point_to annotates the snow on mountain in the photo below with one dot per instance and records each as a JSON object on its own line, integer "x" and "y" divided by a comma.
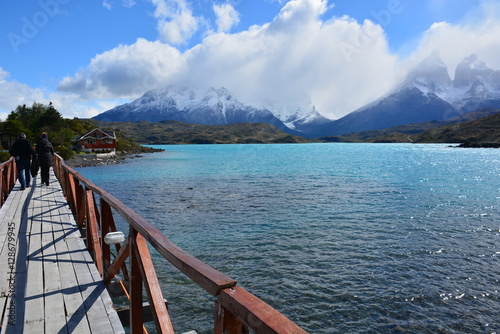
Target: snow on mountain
{"x": 299, "y": 117}
{"x": 473, "y": 85}
{"x": 470, "y": 70}
{"x": 427, "y": 94}
{"x": 212, "y": 107}
{"x": 430, "y": 76}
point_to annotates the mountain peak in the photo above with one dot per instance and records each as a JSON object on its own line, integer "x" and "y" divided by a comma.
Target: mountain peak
{"x": 470, "y": 70}
{"x": 473, "y": 84}
{"x": 427, "y": 94}
{"x": 214, "y": 106}
{"x": 430, "y": 75}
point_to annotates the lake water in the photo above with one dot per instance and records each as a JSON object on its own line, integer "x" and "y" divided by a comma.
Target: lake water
{"x": 341, "y": 238}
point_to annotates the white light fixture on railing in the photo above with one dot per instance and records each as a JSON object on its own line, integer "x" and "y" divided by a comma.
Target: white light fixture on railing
{"x": 113, "y": 238}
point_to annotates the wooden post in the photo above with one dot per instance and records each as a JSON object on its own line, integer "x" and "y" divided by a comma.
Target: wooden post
{"x": 1, "y": 187}
{"x": 12, "y": 175}
{"x": 93, "y": 240}
{"x": 80, "y": 196}
{"x": 226, "y": 322}
{"x": 153, "y": 290}
{"x": 135, "y": 287}
{"x": 96, "y": 212}
{"x": 254, "y": 313}
{"x": 71, "y": 193}
{"x": 106, "y": 216}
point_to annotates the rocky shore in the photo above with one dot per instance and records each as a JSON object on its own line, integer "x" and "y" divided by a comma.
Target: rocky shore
{"x": 90, "y": 160}
{"x": 480, "y": 145}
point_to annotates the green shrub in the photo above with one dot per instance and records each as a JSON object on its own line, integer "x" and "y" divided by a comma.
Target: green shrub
{"x": 4, "y": 156}
{"x": 66, "y": 153}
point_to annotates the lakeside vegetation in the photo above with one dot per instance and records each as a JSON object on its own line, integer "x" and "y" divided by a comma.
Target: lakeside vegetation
{"x": 40, "y": 118}
{"x": 174, "y": 132}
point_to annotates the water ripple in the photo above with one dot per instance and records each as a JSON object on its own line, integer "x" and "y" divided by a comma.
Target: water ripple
{"x": 340, "y": 238}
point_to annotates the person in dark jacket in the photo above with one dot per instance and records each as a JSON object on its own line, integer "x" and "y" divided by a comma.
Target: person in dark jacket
{"x": 23, "y": 152}
{"x": 45, "y": 150}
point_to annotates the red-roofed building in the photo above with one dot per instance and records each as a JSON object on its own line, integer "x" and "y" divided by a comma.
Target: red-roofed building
{"x": 97, "y": 141}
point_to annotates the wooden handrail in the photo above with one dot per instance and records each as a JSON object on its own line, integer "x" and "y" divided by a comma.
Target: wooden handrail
{"x": 8, "y": 177}
{"x": 251, "y": 312}
{"x": 236, "y": 310}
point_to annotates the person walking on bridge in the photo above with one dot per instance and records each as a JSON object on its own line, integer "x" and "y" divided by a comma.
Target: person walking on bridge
{"x": 23, "y": 152}
{"x": 45, "y": 150}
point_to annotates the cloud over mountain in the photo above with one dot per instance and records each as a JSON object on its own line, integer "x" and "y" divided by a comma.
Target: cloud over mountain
{"x": 125, "y": 71}
{"x": 298, "y": 58}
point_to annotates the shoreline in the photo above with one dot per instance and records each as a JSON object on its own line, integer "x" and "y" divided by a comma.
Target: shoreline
{"x": 87, "y": 160}
{"x": 91, "y": 160}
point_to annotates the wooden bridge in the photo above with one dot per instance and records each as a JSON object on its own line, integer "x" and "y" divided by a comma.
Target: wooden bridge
{"x": 56, "y": 268}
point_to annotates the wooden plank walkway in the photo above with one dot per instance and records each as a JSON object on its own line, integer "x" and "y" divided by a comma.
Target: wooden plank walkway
{"x": 48, "y": 281}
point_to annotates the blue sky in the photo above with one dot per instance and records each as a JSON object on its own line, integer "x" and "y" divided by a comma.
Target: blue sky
{"x": 88, "y": 56}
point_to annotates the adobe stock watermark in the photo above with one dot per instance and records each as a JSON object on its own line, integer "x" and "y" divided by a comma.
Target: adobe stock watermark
{"x": 383, "y": 18}
{"x": 31, "y": 25}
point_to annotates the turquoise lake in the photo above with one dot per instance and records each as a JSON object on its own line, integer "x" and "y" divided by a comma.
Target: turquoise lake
{"x": 341, "y": 238}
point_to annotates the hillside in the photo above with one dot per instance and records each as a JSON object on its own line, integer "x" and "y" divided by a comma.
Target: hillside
{"x": 484, "y": 130}
{"x": 174, "y": 132}
{"x": 408, "y": 132}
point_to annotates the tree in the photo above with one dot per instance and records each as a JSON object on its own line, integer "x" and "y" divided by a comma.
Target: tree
{"x": 49, "y": 117}
{"x": 37, "y": 118}
{"x": 14, "y": 127}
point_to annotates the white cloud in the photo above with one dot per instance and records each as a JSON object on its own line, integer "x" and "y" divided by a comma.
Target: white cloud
{"x": 226, "y": 17}
{"x": 302, "y": 10}
{"x": 295, "y": 58}
{"x": 13, "y": 93}
{"x": 125, "y": 72}
{"x": 338, "y": 65}
{"x": 479, "y": 35}
{"x": 176, "y": 23}
{"x": 298, "y": 58}
{"x": 125, "y": 3}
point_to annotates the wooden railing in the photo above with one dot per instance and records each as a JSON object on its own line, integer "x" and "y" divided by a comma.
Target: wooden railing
{"x": 236, "y": 310}
{"x": 8, "y": 177}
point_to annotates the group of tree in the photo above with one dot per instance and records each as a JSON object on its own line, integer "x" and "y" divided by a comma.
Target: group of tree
{"x": 39, "y": 118}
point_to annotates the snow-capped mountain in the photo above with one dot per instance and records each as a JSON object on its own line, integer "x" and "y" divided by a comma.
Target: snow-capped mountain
{"x": 211, "y": 107}
{"x": 430, "y": 77}
{"x": 475, "y": 86}
{"x": 303, "y": 118}
{"x": 427, "y": 94}
{"x": 181, "y": 103}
